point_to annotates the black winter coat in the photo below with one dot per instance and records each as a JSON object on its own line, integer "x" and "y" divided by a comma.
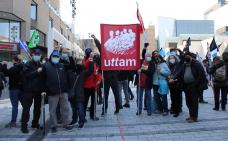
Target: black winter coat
{"x": 15, "y": 76}
{"x": 55, "y": 79}
{"x": 198, "y": 72}
{"x": 33, "y": 81}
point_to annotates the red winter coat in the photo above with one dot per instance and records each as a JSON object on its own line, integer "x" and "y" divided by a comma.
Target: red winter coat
{"x": 93, "y": 80}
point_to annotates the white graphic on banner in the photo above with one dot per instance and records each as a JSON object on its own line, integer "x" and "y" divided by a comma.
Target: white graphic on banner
{"x": 121, "y": 42}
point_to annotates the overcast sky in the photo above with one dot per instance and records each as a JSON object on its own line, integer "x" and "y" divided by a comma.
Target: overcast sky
{"x": 91, "y": 13}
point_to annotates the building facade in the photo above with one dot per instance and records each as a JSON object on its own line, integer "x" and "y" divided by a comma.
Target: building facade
{"x": 18, "y": 20}
{"x": 171, "y": 28}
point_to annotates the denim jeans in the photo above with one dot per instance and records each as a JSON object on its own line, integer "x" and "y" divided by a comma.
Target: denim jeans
{"x": 123, "y": 85}
{"x": 148, "y": 99}
{"x": 15, "y": 97}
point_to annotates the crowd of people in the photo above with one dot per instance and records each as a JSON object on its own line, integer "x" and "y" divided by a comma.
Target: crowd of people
{"x": 71, "y": 83}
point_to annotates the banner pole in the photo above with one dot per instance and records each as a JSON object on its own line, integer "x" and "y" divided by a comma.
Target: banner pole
{"x": 138, "y": 94}
{"x": 104, "y": 108}
{"x": 95, "y": 104}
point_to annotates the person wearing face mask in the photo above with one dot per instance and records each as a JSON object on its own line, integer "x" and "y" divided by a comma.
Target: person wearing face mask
{"x": 78, "y": 99}
{"x": 15, "y": 88}
{"x": 174, "y": 86}
{"x": 160, "y": 83}
{"x": 57, "y": 86}
{"x": 33, "y": 85}
{"x": 193, "y": 78}
{"x": 90, "y": 85}
{"x": 69, "y": 64}
{"x": 146, "y": 72}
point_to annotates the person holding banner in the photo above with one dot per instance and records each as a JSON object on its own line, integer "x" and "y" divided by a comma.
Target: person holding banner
{"x": 123, "y": 84}
{"x": 146, "y": 82}
{"x": 219, "y": 72}
{"x": 110, "y": 81}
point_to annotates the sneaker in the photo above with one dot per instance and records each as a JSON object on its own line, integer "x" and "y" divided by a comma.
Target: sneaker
{"x": 116, "y": 112}
{"x": 165, "y": 114}
{"x": 73, "y": 122}
{"x": 94, "y": 118}
{"x": 81, "y": 125}
{"x": 188, "y": 118}
{"x": 138, "y": 113}
{"x": 203, "y": 102}
{"x": 35, "y": 126}
{"x": 53, "y": 129}
{"x": 68, "y": 127}
{"x": 176, "y": 115}
{"x": 149, "y": 114}
{"x": 157, "y": 112}
{"x": 24, "y": 130}
{"x": 215, "y": 109}
{"x": 126, "y": 105}
{"x": 10, "y": 125}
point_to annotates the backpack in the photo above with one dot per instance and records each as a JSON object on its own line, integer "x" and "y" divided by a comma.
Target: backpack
{"x": 220, "y": 74}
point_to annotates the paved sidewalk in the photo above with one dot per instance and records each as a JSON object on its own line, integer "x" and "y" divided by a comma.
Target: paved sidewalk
{"x": 126, "y": 126}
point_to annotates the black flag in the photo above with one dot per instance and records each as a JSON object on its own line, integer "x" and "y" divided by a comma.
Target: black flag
{"x": 188, "y": 43}
{"x": 213, "y": 45}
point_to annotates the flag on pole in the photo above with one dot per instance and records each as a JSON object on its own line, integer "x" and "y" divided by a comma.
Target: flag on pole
{"x": 141, "y": 24}
{"x": 35, "y": 40}
{"x": 22, "y": 45}
{"x": 213, "y": 49}
{"x": 162, "y": 53}
{"x": 188, "y": 43}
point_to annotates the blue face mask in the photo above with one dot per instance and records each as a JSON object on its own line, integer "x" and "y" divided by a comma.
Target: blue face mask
{"x": 36, "y": 58}
{"x": 148, "y": 59}
{"x": 65, "y": 55}
{"x": 55, "y": 60}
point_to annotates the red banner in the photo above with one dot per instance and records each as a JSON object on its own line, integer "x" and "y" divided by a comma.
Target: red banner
{"x": 120, "y": 47}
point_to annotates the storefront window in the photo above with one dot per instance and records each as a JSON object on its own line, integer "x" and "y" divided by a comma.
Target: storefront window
{"x": 14, "y": 31}
{"x": 4, "y": 30}
{"x": 9, "y": 31}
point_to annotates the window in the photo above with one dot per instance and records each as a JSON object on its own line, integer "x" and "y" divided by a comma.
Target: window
{"x": 50, "y": 24}
{"x": 14, "y": 31}
{"x": 61, "y": 30}
{"x": 4, "y": 30}
{"x": 34, "y": 11}
{"x": 9, "y": 31}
